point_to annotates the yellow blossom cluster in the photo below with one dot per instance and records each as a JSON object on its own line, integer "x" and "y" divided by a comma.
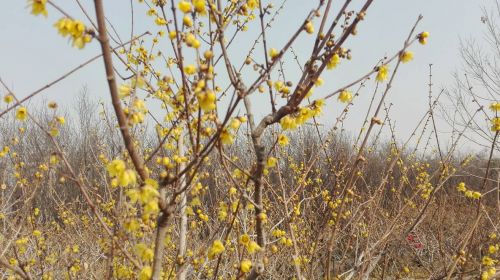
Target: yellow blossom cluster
{"x": 76, "y": 30}
{"x": 148, "y": 196}
{"x": 121, "y": 176}
{"x": 468, "y": 193}
{"x": 302, "y": 115}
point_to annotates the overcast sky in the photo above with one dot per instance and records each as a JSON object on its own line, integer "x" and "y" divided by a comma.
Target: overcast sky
{"x": 32, "y": 53}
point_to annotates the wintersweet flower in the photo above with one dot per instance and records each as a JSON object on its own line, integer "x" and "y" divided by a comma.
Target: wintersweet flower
{"x": 273, "y": 53}
{"x": 422, "y": 37}
{"x": 216, "y": 249}
{"x": 333, "y": 62}
{"x": 187, "y": 21}
{"x": 160, "y": 21}
{"x": 252, "y": 4}
{"x": 38, "y": 7}
{"x": 226, "y": 137}
{"x": 199, "y": 6}
{"x": 184, "y": 6}
{"x": 406, "y": 56}
{"x": 207, "y": 100}
{"x": 309, "y": 27}
{"x": 146, "y": 273}
{"x": 190, "y": 69}
{"x": 245, "y": 266}
{"x": 22, "y": 113}
{"x": 345, "y": 96}
{"x": 288, "y": 122}
{"x": 283, "y": 140}
{"x": 245, "y": 239}
{"x": 235, "y": 124}
{"x": 75, "y": 29}
{"x": 495, "y": 124}
{"x": 495, "y": 106}
{"x": 253, "y": 247}
{"x": 8, "y": 98}
{"x": 271, "y": 162}
{"x": 382, "y": 74}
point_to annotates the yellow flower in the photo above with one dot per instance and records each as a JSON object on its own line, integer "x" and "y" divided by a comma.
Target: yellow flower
{"x": 288, "y": 122}
{"x": 184, "y": 6}
{"x": 273, "y": 53}
{"x": 253, "y": 247}
{"x": 226, "y": 137}
{"x": 271, "y": 162}
{"x": 160, "y": 21}
{"x": 345, "y": 96}
{"x": 191, "y": 41}
{"x": 309, "y": 27}
{"x": 199, "y": 6}
{"x": 476, "y": 195}
{"x": 319, "y": 82}
{"x": 493, "y": 249}
{"x": 422, "y": 37}
{"x": 245, "y": 266}
{"x": 382, "y": 74}
{"x": 263, "y": 218}
{"x": 244, "y": 239}
{"x": 487, "y": 261}
{"x": 495, "y": 106}
{"x": 461, "y": 187}
{"x": 38, "y": 7}
{"x": 283, "y": 140}
{"x": 8, "y": 98}
{"x": 208, "y": 54}
{"x": 190, "y": 69}
{"x": 60, "y": 120}
{"x": 252, "y": 4}
{"x": 216, "y": 249}
{"x": 131, "y": 225}
{"x": 187, "y": 21}
{"x": 207, "y": 100}
{"x": 146, "y": 273}
{"x": 80, "y": 42}
{"x": 78, "y": 28}
{"x": 235, "y": 123}
{"x": 144, "y": 252}
{"x": 334, "y": 61}
{"x": 13, "y": 261}
{"x": 406, "y": 56}
{"x": 116, "y": 167}
{"x": 21, "y": 114}
{"x": 64, "y": 26}
{"x": 147, "y": 194}
{"x": 124, "y": 91}
{"x": 172, "y": 34}
{"x": 488, "y": 274}
{"x": 495, "y": 124}
{"x": 278, "y": 233}
{"x": 151, "y": 207}
{"x": 126, "y": 178}
{"x": 151, "y": 12}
